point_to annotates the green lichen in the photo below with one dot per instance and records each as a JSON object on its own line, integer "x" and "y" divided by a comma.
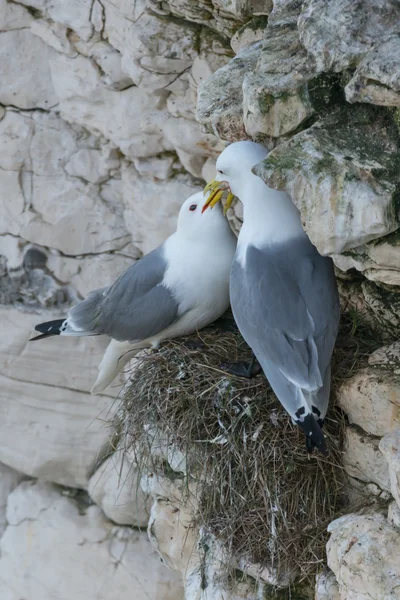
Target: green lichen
{"x": 393, "y": 239}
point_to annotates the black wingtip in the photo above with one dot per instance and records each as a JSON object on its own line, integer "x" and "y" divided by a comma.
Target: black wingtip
{"x": 314, "y": 434}
{"x": 48, "y": 329}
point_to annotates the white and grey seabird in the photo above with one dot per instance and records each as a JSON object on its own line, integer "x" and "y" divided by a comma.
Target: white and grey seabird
{"x": 283, "y": 292}
{"x": 178, "y": 288}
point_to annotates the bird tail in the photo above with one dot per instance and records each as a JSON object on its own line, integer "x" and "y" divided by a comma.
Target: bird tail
{"x": 314, "y": 434}
{"x": 115, "y": 358}
{"x": 48, "y": 329}
{"x": 58, "y": 327}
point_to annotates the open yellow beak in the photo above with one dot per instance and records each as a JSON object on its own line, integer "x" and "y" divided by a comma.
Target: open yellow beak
{"x": 217, "y": 190}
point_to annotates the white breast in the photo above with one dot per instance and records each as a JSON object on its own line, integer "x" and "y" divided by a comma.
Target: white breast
{"x": 198, "y": 275}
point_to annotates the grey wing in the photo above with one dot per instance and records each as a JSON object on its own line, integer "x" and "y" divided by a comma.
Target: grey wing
{"x": 286, "y": 305}
{"x": 135, "y": 307}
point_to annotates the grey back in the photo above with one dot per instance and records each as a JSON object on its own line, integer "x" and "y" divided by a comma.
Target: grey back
{"x": 135, "y": 307}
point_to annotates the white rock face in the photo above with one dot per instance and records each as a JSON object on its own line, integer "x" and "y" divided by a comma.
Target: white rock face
{"x": 390, "y": 447}
{"x": 152, "y": 206}
{"x": 69, "y": 553}
{"x": 371, "y": 399}
{"x": 324, "y": 170}
{"x": 50, "y": 426}
{"x": 363, "y": 553}
{"x": 115, "y": 487}
{"x": 377, "y": 261}
{"x": 99, "y": 147}
{"x": 29, "y": 86}
{"x": 326, "y": 587}
{"x": 9, "y": 479}
{"x": 363, "y": 460}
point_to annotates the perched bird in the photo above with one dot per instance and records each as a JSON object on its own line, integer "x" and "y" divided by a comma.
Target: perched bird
{"x": 283, "y": 292}
{"x": 178, "y": 288}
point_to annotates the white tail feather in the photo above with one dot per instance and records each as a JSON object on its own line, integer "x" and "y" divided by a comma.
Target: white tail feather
{"x": 117, "y": 355}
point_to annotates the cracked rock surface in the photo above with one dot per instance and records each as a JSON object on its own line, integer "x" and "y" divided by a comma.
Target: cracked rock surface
{"x": 86, "y": 555}
{"x": 111, "y": 114}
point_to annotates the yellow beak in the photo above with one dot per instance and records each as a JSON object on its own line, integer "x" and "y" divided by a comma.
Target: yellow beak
{"x": 217, "y": 190}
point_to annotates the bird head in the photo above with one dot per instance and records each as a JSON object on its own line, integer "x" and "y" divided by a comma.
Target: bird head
{"x": 192, "y": 221}
{"x": 233, "y": 166}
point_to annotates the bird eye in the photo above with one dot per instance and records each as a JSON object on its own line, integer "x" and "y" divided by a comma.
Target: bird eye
{"x": 219, "y": 171}
{"x": 193, "y": 207}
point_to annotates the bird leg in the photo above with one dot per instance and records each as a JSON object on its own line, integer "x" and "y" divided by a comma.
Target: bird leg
{"x": 242, "y": 368}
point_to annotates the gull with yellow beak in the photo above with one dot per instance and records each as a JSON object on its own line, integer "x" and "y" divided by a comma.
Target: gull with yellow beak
{"x": 283, "y": 292}
{"x": 170, "y": 292}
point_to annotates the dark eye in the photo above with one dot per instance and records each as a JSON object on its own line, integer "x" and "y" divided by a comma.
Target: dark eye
{"x": 193, "y": 207}
{"x": 219, "y": 171}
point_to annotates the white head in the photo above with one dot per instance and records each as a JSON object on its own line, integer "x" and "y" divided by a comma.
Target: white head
{"x": 234, "y": 164}
{"x": 192, "y": 222}
{"x": 270, "y": 212}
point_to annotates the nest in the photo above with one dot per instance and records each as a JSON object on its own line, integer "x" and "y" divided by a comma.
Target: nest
{"x": 262, "y": 495}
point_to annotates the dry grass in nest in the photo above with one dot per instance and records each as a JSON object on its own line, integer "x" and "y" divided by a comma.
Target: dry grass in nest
{"x": 262, "y": 495}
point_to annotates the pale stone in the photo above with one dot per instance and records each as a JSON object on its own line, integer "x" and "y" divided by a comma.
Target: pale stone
{"x": 10, "y": 184}
{"x": 363, "y": 460}
{"x": 378, "y": 261}
{"x": 243, "y": 8}
{"x": 358, "y": 28}
{"x": 326, "y": 586}
{"x": 53, "y": 34}
{"x": 93, "y": 165}
{"x": 132, "y": 119}
{"x": 390, "y": 447}
{"x": 186, "y": 135}
{"x": 86, "y": 274}
{"x": 171, "y": 530}
{"x": 24, "y": 71}
{"x": 338, "y": 173}
{"x": 79, "y": 554}
{"x": 275, "y": 95}
{"x": 208, "y": 170}
{"x": 213, "y": 15}
{"x": 77, "y": 220}
{"x": 75, "y": 14}
{"x": 214, "y": 53}
{"x": 363, "y": 552}
{"x": 377, "y": 77}
{"x": 207, "y": 582}
{"x": 155, "y": 51}
{"x": 182, "y": 101}
{"x": 50, "y": 207}
{"x": 16, "y": 133}
{"x": 151, "y": 207}
{"x": 371, "y": 400}
{"x": 154, "y": 167}
{"x": 13, "y": 16}
{"x": 50, "y": 426}
{"x": 387, "y": 356}
{"x": 115, "y": 488}
{"x": 394, "y": 514}
{"x": 110, "y": 61}
{"x": 220, "y": 97}
{"x": 10, "y": 248}
{"x": 193, "y": 164}
{"x": 9, "y": 479}
{"x": 249, "y": 33}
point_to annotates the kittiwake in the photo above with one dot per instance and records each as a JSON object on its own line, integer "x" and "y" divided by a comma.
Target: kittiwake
{"x": 283, "y": 292}
{"x": 178, "y": 288}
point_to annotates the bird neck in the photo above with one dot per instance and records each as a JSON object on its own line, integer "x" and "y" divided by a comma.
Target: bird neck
{"x": 269, "y": 216}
